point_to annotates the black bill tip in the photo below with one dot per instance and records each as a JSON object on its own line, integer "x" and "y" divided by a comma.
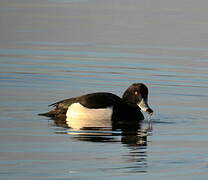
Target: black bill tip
{"x": 150, "y": 111}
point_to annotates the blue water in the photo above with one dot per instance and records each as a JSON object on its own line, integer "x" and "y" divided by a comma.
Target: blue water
{"x": 51, "y": 50}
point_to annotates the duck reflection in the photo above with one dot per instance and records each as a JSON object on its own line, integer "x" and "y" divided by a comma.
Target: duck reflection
{"x": 133, "y": 136}
{"x": 129, "y": 134}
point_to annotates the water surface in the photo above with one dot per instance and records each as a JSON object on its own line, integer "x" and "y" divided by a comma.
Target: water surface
{"x": 51, "y": 50}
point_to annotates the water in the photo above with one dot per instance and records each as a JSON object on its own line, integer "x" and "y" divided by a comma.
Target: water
{"x": 56, "y": 49}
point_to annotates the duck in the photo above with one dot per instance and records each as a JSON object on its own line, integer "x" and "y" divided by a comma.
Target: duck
{"x": 103, "y": 106}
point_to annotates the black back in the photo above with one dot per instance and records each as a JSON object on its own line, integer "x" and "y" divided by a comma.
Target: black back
{"x": 100, "y": 100}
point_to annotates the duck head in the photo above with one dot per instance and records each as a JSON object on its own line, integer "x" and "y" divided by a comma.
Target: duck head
{"x": 137, "y": 95}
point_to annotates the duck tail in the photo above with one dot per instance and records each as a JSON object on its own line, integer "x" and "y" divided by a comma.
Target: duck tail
{"x": 51, "y": 113}
{"x": 48, "y": 114}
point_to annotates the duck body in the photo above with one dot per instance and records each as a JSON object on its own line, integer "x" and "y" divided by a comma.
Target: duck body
{"x": 102, "y": 106}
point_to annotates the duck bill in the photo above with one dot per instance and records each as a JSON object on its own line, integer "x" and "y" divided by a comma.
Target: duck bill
{"x": 143, "y": 105}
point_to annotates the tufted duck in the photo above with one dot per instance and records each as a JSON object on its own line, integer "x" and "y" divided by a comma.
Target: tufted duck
{"x": 103, "y": 106}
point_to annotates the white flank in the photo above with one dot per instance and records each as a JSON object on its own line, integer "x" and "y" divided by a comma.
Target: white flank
{"x": 79, "y": 116}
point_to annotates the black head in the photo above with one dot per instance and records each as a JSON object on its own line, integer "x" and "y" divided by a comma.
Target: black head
{"x": 137, "y": 95}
